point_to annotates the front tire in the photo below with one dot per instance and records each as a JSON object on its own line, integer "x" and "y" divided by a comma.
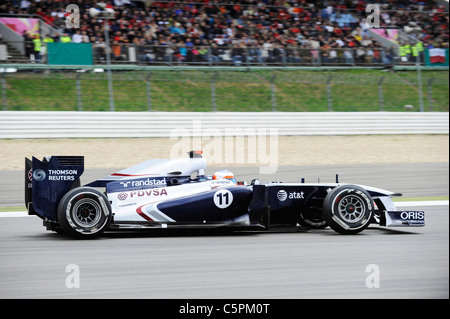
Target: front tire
{"x": 84, "y": 212}
{"x": 348, "y": 209}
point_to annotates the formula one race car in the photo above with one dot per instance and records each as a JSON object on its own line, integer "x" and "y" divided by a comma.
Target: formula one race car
{"x": 177, "y": 194}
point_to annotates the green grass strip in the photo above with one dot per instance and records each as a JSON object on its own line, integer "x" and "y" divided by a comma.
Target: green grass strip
{"x": 418, "y": 199}
{"x": 13, "y": 209}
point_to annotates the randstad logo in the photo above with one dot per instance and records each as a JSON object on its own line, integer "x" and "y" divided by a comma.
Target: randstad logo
{"x": 145, "y": 182}
{"x": 282, "y": 195}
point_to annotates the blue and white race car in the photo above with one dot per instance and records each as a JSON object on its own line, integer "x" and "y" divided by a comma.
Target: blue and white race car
{"x": 162, "y": 193}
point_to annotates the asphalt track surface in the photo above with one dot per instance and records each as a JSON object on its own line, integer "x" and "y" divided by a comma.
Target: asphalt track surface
{"x": 409, "y": 262}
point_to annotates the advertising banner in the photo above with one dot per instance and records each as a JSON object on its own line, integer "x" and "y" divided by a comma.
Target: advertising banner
{"x": 22, "y": 25}
{"x": 70, "y": 53}
{"x": 436, "y": 57}
{"x": 390, "y": 34}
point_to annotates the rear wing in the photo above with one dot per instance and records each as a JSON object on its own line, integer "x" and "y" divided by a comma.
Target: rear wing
{"x": 48, "y": 180}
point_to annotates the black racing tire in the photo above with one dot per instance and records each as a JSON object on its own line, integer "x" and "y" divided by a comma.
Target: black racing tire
{"x": 311, "y": 223}
{"x": 348, "y": 209}
{"x": 84, "y": 212}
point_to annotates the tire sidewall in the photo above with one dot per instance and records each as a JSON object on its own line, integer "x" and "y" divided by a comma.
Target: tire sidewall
{"x": 67, "y": 212}
{"x": 311, "y": 223}
{"x": 337, "y": 218}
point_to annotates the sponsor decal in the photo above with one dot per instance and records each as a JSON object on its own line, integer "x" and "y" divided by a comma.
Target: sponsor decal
{"x": 136, "y": 184}
{"x": 131, "y": 198}
{"x": 149, "y": 193}
{"x": 219, "y": 183}
{"x": 127, "y": 205}
{"x": 437, "y": 55}
{"x": 122, "y": 196}
{"x": 39, "y": 175}
{"x": 144, "y": 182}
{"x": 62, "y": 174}
{"x": 282, "y": 195}
{"x": 54, "y": 175}
{"x": 412, "y": 215}
{"x": 409, "y": 218}
{"x": 30, "y": 178}
{"x": 143, "y": 193}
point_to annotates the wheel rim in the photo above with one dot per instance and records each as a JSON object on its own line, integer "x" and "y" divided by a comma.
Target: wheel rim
{"x": 87, "y": 212}
{"x": 351, "y": 209}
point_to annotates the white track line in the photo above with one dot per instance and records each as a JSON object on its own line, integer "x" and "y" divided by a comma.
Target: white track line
{"x": 15, "y": 214}
{"x": 422, "y": 203}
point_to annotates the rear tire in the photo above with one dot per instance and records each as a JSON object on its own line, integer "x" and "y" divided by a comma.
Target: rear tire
{"x": 348, "y": 209}
{"x": 84, "y": 212}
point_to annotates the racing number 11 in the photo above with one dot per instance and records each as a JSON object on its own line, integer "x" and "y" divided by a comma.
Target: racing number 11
{"x": 223, "y": 195}
{"x": 223, "y": 198}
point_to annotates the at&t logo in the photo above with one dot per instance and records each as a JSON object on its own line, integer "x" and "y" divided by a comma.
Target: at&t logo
{"x": 282, "y": 195}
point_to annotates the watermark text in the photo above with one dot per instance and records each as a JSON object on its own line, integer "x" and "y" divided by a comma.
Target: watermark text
{"x": 229, "y": 146}
{"x": 73, "y": 19}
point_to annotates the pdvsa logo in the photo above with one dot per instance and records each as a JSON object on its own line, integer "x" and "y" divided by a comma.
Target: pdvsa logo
{"x": 142, "y": 193}
{"x": 282, "y": 195}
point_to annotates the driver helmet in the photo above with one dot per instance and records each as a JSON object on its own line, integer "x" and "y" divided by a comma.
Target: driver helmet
{"x": 224, "y": 174}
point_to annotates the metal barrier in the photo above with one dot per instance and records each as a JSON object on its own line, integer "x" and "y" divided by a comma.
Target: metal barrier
{"x": 224, "y": 55}
{"x": 176, "y": 124}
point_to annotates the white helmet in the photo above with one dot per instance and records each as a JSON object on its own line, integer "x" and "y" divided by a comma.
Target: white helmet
{"x": 224, "y": 174}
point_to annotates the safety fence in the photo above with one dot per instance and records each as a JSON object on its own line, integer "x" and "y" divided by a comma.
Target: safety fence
{"x": 180, "y": 124}
{"x": 199, "y": 54}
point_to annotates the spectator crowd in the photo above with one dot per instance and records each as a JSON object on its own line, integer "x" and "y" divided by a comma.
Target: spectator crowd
{"x": 261, "y": 31}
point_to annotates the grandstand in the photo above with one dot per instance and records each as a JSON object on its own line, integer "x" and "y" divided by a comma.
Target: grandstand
{"x": 238, "y": 33}
{"x": 282, "y": 43}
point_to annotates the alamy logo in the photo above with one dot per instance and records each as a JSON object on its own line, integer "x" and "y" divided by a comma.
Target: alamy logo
{"x": 373, "y": 19}
{"x": 373, "y": 278}
{"x": 73, "y": 19}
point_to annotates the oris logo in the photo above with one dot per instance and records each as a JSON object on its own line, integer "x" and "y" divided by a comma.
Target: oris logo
{"x": 282, "y": 195}
{"x": 412, "y": 215}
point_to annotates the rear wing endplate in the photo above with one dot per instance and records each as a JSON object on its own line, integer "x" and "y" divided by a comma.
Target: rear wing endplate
{"x": 48, "y": 180}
